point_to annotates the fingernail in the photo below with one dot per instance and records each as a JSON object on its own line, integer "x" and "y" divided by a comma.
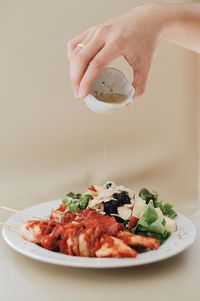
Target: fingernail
{"x": 80, "y": 93}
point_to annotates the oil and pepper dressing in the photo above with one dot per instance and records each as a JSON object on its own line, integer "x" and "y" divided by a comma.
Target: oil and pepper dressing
{"x": 111, "y": 97}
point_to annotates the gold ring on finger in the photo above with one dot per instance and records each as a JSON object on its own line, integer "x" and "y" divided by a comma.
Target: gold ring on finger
{"x": 80, "y": 45}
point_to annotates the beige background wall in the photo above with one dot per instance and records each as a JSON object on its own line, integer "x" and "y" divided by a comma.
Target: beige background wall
{"x": 51, "y": 143}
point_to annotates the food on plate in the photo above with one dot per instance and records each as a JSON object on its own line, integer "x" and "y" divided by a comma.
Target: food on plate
{"x": 104, "y": 221}
{"x": 140, "y": 212}
{"x": 86, "y": 233}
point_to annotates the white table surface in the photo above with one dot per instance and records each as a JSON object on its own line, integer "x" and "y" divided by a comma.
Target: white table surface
{"x": 22, "y": 278}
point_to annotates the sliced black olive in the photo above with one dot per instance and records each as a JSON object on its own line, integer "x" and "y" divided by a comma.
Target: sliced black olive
{"x": 126, "y": 197}
{"x": 146, "y": 195}
{"x": 110, "y": 207}
{"x": 119, "y": 199}
{"x": 120, "y": 203}
{"x": 116, "y": 195}
{"x": 122, "y": 198}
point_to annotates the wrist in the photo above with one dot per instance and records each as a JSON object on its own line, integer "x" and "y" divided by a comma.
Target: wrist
{"x": 161, "y": 17}
{"x": 165, "y": 17}
{"x": 174, "y": 17}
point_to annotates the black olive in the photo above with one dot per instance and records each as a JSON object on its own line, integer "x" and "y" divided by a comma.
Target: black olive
{"x": 124, "y": 193}
{"x": 120, "y": 203}
{"x": 110, "y": 207}
{"x": 116, "y": 195}
{"x": 126, "y": 197}
{"x": 118, "y": 198}
{"x": 122, "y": 198}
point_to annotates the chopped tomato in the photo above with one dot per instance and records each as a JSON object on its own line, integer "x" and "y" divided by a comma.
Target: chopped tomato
{"x": 92, "y": 188}
{"x": 133, "y": 222}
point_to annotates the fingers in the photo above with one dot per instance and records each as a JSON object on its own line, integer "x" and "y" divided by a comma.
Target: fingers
{"x": 84, "y": 42}
{"x": 140, "y": 80}
{"x": 73, "y": 43}
{"x": 81, "y": 60}
{"x": 103, "y": 58}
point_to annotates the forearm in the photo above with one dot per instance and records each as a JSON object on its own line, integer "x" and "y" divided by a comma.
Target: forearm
{"x": 181, "y": 24}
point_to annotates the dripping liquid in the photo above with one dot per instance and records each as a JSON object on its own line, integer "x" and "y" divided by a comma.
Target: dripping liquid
{"x": 102, "y": 175}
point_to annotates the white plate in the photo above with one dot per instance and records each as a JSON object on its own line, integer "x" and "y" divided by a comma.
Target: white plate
{"x": 177, "y": 242}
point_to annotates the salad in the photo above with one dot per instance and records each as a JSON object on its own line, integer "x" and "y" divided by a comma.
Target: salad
{"x": 142, "y": 212}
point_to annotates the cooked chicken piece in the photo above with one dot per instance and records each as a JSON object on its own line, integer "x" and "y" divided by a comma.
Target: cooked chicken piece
{"x": 90, "y": 235}
{"x": 33, "y": 231}
{"x": 83, "y": 246}
{"x": 135, "y": 240}
{"x": 61, "y": 214}
{"x": 69, "y": 243}
{"x": 114, "y": 247}
{"x": 89, "y": 241}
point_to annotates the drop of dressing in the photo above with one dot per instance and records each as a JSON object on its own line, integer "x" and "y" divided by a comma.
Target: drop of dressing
{"x": 111, "y": 97}
{"x": 102, "y": 174}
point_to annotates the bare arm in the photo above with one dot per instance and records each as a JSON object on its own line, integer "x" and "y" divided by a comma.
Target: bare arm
{"x": 182, "y": 25}
{"x": 134, "y": 35}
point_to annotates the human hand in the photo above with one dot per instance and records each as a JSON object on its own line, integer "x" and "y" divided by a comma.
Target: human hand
{"x": 133, "y": 35}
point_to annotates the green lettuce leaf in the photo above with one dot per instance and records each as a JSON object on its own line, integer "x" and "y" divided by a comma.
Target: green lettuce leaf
{"x": 83, "y": 202}
{"x": 76, "y": 201}
{"x": 150, "y": 222}
{"x": 166, "y": 208}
